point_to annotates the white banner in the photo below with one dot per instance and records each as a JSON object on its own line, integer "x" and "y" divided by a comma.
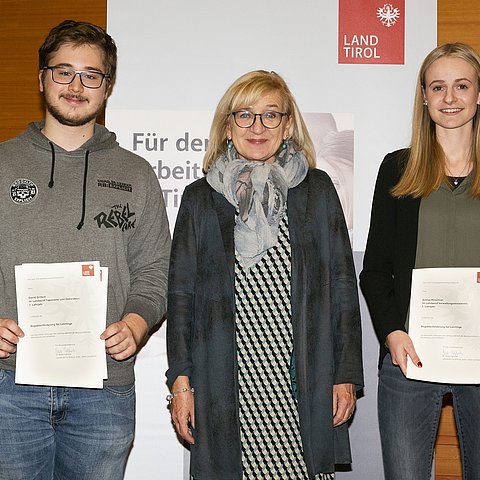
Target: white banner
{"x": 176, "y": 59}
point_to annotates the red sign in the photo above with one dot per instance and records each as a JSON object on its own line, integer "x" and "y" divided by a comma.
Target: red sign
{"x": 371, "y": 31}
{"x": 87, "y": 270}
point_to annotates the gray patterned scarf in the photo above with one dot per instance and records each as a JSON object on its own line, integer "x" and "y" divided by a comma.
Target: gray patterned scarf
{"x": 258, "y": 190}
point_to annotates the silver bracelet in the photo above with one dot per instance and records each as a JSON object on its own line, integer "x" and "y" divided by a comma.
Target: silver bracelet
{"x": 178, "y": 392}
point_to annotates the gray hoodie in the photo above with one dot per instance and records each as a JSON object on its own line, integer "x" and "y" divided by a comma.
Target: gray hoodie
{"x": 99, "y": 202}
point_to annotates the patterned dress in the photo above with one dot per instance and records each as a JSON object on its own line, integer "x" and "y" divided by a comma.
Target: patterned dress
{"x": 269, "y": 424}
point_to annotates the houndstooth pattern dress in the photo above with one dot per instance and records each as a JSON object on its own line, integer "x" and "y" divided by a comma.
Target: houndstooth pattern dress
{"x": 269, "y": 424}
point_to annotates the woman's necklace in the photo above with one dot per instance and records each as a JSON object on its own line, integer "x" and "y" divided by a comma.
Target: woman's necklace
{"x": 455, "y": 179}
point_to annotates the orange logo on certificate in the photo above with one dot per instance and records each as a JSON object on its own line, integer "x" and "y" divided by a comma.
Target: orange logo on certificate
{"x": 478, "y": 277}
{"x": 87, "y": 270}
{"x": 371, "y": 31}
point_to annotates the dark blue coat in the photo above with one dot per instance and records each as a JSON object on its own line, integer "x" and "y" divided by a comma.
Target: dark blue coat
{"x": 201, "y": 322}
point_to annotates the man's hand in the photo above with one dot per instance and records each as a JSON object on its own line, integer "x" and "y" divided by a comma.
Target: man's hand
{"x": 123, "y": 338}
{"x": 10, "y": 333}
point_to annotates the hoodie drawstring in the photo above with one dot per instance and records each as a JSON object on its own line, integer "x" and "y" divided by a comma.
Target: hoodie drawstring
{"x": 84, "y": 195}
{"x": 85, "y": 173}
{"x": 52, "y": 168}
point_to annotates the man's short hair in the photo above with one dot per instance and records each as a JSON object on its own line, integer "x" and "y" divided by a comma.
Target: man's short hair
{"x": 80, "y": 33}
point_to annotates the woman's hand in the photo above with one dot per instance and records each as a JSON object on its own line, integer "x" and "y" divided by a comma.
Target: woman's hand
{"x": 401, "y": 346}
{"x": 344, "y": 399}
{"x": 10, "y": 333}
{"x": 182, "y": 409}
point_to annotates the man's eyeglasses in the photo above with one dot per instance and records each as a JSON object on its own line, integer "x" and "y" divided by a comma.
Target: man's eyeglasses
{"x": 66, "y": 75}
{"x": 269, "y": 119}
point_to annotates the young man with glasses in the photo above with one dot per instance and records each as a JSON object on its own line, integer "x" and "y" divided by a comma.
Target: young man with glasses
{"x": 70, "y": 193}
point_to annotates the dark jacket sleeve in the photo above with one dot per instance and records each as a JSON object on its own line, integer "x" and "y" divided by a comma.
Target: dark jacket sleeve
{"x": 325, "y": 314}
{"x": 390, "y": 252}
{"x": 347, "y": 335}
{"x": 181, "y": 287}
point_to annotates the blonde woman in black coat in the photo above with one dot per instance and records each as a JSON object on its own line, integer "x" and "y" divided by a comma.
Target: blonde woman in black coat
{"x": 264, "y": 340}
{"x": 425, "y": 214}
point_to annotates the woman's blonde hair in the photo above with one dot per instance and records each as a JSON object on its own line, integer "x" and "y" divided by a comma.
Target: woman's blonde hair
{"x": 425, "y": 168}
{"x": 246, "y": 91}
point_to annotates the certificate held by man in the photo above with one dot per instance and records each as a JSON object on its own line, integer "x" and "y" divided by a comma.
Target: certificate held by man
{"x": 444, "y": 324}
{"x": 62, "y": 311}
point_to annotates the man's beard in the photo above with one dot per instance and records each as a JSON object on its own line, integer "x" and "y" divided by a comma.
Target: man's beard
{"x": 69, "y": 121}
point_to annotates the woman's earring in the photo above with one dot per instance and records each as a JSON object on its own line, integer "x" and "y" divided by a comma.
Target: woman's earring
{"x": 425, "y": 102}
{"x": 229, "y": 144}
{"x": 283, "y": 146}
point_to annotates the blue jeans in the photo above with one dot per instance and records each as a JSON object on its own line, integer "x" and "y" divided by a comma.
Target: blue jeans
{"x": 55, "y": 433}
{"x": 409, "y": 412}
